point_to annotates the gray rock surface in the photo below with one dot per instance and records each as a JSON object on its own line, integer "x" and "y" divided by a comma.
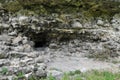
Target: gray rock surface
{"x": 100, "y": 22}
{"x": 76, "y": 24}
{"x": 18, "y": 56}
{"x": 22, "y": 37}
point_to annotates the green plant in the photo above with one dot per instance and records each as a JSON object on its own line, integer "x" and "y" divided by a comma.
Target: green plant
{"x": 20, "y": 75}
{"x": 33, "y": 78}
{"x": 77, "y": 77}
{"x": 50, "y": 77}
{"x": 72, "y": 73}
{"x": 65, "y": 77}
{"x": 4, "y": 71}
{"x": 99, "y": 75}
{"x": 77, "y": 71}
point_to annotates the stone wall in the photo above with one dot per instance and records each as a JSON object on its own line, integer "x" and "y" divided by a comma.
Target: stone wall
{"x": 65, "y": 34}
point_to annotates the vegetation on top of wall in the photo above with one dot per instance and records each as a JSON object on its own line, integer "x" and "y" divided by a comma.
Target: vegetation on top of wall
{"x": 2, "y": 1}
{"x": 13, "y": 6}
{"x": 88, "y": 8}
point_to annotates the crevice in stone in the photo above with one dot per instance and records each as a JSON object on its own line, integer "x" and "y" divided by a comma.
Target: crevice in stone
{"x": 41, "y": 43}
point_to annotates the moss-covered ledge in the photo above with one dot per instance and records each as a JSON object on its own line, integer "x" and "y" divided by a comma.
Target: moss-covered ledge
{"x": 91, "y": 8}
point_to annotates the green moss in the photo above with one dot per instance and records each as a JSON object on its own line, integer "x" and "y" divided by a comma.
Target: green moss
{"x": 2, "y": 1}
{"x": 13, "y": 6}
{"x": 26, "y": 12}
{"x": 91, "y": 8}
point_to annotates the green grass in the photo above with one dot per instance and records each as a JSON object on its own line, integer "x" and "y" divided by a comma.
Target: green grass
{"x": 90, "y": 75}
{"x": 96, "y": 75}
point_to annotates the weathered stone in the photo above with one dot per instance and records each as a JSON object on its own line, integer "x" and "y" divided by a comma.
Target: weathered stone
{"x": 3, "y": 77}
{"x": 3, "y": 55}
{"x": 42, "y": 66}
{"x": 39, "y": 59}
{"x": 29, "y": 75}
{"x": 4, "y": 37}
{"x": 22, "y": 20}
{"x": 53, "y": 46}
{"x": 17, "y": 40}
{"x": 100, "y": 23}
{"x": 31, "y": 43}
{"x": 5, "y": 25}
{"x": 4, "y": 63}
{"x": 76, "y": 24}
{"x": 40, "y": 73}
{"x": 72, "y": 38}
{"x": 27, "y": 48}
{"x": 55, "y": 73}
{"x": 14, "y": 33}
{"x": 24, "y": 41}
{"x": 33, "y": 27}
{"x": 19, "y": 48}
{"x": 16, "y": 54}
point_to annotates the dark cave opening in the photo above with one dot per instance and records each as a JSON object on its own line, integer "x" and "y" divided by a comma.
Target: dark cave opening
{"x": 39, "y": 44}
{"x": 39, "y": 39}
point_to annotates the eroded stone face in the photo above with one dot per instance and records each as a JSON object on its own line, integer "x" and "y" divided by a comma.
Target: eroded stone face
{"x": 17, "y": 54}
{"x": 52, "y": 36}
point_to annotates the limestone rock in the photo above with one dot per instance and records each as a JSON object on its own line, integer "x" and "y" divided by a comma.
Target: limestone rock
{"x": 5, "y": 25}
{"x": 100, "y": 22}
{"x": 53, "y": 46}
{"x": 17, "y": 40}
{"x": 76, "y": 24}
{"x": 40, "y": 73}
{"x": 27, "y": 48}
{"x": 39, "y": 59}
{"x": 14, "y": 33}
{"x": 24, "y": 41}
{"x": 4, "y": 37}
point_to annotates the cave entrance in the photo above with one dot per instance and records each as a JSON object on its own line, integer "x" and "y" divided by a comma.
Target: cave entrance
{"x": 40, "y": 40}
{"x": 39, "y": 44}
